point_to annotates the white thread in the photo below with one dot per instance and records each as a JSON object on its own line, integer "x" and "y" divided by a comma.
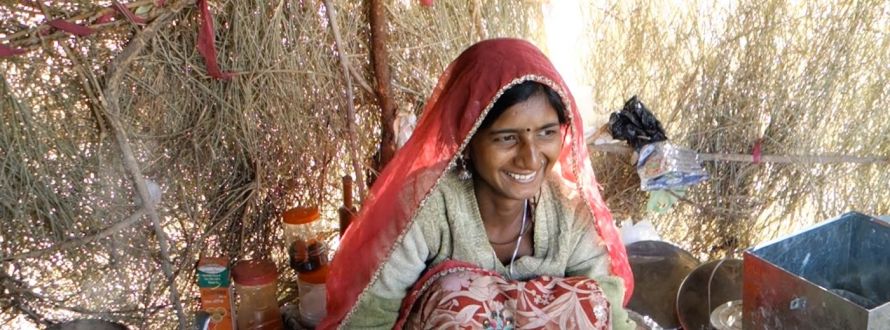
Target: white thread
{"x": 519, "y": 239}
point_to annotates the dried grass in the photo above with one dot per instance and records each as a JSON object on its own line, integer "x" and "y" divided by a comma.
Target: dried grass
{"x": 810, "y": 79}
{"x": 230, "y": 156}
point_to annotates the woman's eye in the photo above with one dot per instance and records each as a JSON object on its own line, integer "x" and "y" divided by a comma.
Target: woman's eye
{"x": 505, "y": 139}
{"x": 548, "y": 132}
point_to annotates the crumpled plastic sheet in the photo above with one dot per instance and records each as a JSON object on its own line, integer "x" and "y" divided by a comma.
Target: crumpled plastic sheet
{"x": 662, "y": 165}
{"x": 636, "y": 125}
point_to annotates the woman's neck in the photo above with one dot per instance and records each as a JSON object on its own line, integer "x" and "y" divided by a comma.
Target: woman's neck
{"x": 498, "y": 211}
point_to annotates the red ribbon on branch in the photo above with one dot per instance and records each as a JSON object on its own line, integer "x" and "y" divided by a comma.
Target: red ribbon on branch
{"x": 75, "y": 29}
{"x": 756, "y": 151}
{"x": 106, "y": 17}
{"x": 206, "y": 35}
{"x": 7, "y": 51}
{"x": 206, "y": 46}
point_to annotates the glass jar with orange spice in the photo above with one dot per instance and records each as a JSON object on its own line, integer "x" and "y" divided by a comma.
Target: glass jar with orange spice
{"x": 302, "y": 234}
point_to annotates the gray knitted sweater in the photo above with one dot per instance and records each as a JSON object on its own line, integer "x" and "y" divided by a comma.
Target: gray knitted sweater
{"x": 449, "y": 226}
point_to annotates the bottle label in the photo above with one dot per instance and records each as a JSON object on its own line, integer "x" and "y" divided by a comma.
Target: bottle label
{"x": 213, "y": 273}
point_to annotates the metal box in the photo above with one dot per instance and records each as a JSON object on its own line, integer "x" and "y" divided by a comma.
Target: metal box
{"x": 835, "y": 275}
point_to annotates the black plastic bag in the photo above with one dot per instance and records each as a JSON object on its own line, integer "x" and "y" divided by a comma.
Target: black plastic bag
{"x": 636, "y": 125}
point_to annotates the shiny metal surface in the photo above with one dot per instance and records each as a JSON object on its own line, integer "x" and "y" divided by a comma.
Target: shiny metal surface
{"x": 643, "y": 322}
{"x": 835, "y": 275}
{"x": 727, "y": 316}
{"x": 659, "y": 268}
{"x": 710, "y": 285}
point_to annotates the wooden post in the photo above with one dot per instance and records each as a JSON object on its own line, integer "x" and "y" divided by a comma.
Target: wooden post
{"x": 347, "y": 211}
{"x": 383, "y": 89}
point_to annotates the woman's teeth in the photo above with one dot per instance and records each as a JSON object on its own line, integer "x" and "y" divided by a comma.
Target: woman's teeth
{"x": 522, "y": 178}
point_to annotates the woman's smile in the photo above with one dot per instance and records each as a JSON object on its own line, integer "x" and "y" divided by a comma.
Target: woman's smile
{"x": 522, "y": 178}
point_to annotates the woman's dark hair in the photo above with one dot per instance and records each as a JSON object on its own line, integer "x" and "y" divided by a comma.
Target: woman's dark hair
{"x": 520, "y": 93}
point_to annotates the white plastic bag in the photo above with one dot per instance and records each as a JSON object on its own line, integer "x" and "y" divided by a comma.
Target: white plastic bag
{"x": 641, "y": 231}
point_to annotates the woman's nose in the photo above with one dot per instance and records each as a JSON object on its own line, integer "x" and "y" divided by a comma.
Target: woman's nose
{"x": 529, "y": 156}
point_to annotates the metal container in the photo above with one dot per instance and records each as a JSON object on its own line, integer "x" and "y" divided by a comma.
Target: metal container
{"x": 659, "y": 268}
{"x": 835, "y": 275}
{"x": 709, "y": 286}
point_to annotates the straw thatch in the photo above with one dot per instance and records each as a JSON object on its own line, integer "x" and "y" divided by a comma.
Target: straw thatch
{"x": 809, "y": 79}
{"x": 91, "y": 125}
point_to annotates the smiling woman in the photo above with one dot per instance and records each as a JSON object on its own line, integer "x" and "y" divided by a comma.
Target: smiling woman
{"x": 489, "y": 217}
{"x": 513, "y": 150}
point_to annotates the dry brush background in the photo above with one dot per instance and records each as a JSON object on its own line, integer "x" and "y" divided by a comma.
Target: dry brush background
{"x": 809, "y": 78}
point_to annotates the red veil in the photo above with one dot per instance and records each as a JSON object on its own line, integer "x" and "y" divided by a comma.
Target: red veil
{"x": 464, "y": 94}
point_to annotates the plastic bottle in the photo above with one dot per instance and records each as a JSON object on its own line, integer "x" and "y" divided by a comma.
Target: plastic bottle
{"x": 312, "y": 296}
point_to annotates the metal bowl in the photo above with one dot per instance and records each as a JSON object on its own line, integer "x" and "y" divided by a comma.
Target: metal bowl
{"x": 659, "y": 268}
{"x": 710, "y": 285}
{"x": 728, "y": 316}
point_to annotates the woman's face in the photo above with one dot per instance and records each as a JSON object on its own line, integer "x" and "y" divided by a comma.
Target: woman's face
{"x": 512, "y": 156}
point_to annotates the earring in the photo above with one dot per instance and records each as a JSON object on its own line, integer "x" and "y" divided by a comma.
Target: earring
{"x": 463, "y": 171}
